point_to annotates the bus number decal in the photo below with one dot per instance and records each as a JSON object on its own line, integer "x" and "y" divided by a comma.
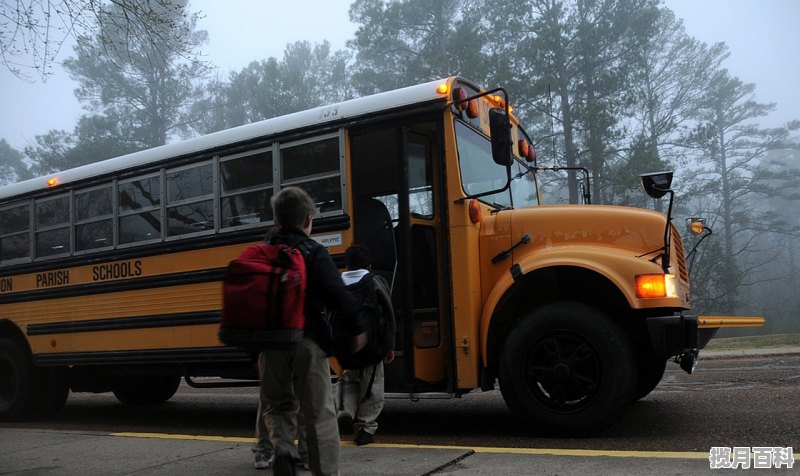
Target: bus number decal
{"x": 125, "y": 269}
{"x": 330, "y": 111}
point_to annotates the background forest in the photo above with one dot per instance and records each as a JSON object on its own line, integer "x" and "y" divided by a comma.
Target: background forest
{"x": 615, "y": 86}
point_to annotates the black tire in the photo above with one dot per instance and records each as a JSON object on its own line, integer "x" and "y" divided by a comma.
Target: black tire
{"x": 567, "y": 370}
{"x": 18, "y": 382}
{"x": 147, "y": 389}
{"x": 651, "y": 371}
{"x": 54, "y": 390}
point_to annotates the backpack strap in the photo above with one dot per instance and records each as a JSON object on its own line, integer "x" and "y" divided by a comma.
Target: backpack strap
{"x": 368, "y": 393}
{"x": 292, "y": 241}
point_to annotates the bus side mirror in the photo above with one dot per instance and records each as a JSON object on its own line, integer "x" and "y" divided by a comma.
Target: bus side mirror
{"x": 656, "y": 184}
{"x": 500, "y": 129}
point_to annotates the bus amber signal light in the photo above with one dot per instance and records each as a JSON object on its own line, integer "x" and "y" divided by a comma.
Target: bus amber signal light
{"x": 531, "y": 157}
{"x": 52, "y": 182}
{"x": 442, "y": 88}
{"x": 460, "y": 100}
{"x": 475, "y": 213}
{"x": 655, "y": 285}
{"x": 526, "y": 150}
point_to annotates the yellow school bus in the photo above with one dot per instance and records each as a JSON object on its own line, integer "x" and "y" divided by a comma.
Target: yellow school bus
{"x": 110, "y": 273}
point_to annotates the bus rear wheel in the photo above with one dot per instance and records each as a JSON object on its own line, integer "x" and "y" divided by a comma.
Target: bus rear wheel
{"x": 17, "y": 382}
{"x": 568, "y": 370}
{"x": 147, "y": 389}
{"x": 27, "y": 391}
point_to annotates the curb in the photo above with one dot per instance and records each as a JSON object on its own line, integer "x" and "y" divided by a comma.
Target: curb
{"x": 723, "y": 354}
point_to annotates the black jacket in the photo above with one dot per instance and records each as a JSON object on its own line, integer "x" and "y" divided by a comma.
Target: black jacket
{"x": 324, "y": 290}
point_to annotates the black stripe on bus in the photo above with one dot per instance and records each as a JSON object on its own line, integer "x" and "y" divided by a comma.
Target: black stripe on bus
{"x": 133, "y": 284}
{"x": 125, "y": 323}
{"x": 216, "y": 354}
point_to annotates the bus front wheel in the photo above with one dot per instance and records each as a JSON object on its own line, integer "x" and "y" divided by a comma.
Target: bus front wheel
{"x": 147, "y": 389}
{"x": 651, "y": 371}
{"x": 568, "y": 370}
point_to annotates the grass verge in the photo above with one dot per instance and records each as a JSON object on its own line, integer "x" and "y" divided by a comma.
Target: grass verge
{"x": 755, "y": 342}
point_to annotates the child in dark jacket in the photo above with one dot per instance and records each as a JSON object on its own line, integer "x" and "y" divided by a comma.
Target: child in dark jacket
{"x": 361, "y": 403}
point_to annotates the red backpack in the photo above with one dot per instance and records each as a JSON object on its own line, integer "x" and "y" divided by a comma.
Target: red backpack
{"x": 263, "y": 297}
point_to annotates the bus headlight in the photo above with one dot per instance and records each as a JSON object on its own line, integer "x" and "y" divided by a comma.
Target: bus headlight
{"x": 655, "y": 286}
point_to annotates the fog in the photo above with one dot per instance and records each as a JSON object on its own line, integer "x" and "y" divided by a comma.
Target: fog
{"x": 762, "y": 36}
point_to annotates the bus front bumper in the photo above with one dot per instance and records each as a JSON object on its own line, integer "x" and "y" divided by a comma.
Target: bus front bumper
{"x": 683, "y": 336}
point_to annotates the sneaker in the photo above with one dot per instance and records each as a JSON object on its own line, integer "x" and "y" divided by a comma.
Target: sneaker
{"x": 363, "y": 438}
{"x": 284, "y": 466}
{"x": 345, "y": 421}
{"x": 262, "y": 461}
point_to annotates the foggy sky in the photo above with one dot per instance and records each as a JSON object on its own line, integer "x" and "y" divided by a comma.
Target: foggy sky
{"x": 762, "y": 36}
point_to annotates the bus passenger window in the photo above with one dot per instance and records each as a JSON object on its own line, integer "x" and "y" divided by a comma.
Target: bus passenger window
{"x": 246, "y": 189}
{"x": 140, "y": 194}
{"x": 52, "y": 226}
{"x": 139, "y": 210}
{"x": 93, "y": 215}
{"x": 140, "y": 227}
{"x": 190, "y": 218}
{"x": 190, "y": 205}
{"x": 14, "y": 233}
{"x": 315, "y": 167}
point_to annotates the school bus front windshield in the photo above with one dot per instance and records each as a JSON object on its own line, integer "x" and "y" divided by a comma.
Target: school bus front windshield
{"x": 480, "y": 174}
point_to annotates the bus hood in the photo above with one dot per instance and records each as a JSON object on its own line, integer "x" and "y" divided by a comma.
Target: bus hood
{"x": 638, "y": 230}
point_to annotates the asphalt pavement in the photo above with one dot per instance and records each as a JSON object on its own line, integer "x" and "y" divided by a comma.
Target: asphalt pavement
{"x": 66, "y": 453}
{"x": 81, "y": 453}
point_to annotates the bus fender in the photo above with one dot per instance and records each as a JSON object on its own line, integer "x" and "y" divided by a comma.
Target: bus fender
{"x": 617, "y": 266}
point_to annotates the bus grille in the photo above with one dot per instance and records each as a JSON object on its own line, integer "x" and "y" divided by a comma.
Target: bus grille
{"x": 679, "y": 255}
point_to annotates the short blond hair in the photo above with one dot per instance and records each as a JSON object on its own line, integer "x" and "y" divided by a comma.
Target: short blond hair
{"x": 291, "y": 206}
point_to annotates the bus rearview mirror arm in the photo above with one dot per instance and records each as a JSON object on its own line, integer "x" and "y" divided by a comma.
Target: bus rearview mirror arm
{"x": 656, "y": 185}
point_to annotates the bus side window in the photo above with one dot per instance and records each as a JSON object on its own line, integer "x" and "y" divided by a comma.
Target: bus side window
{"x": 139, "y": 210}
{"x": 93, "y": 219}
{"x": 246, "y": 188}
{"x": 315, "y": 166}
{"x": 52, "y": 226}
{"x": 190, "y": 199}
{"x": 15, "y": 232}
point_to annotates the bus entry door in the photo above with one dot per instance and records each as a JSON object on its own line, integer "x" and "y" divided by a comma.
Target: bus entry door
{"x": 395, "y": 215}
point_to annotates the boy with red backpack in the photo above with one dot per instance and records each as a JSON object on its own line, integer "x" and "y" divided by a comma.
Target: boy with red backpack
{"x": 297, "y": 376}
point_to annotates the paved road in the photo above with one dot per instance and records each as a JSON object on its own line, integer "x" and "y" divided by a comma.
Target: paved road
{"x": 735, "y": 401}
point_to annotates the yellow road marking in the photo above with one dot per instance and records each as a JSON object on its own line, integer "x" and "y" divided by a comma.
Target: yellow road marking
{"x": 476, "y": 449}
{"x": 171, "y": 436}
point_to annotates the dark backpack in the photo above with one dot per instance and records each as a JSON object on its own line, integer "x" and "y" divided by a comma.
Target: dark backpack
{"x": 263, "y": 297}
{"x": 377, "y": 329}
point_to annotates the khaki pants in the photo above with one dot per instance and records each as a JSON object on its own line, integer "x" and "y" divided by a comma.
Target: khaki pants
{"x": 353, "y": 387}
{"x": 262, "y": 444}
{"x": 298, "y": 378}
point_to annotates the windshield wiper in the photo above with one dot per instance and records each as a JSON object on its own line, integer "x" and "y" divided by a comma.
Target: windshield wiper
{"x": 496, "y": 207}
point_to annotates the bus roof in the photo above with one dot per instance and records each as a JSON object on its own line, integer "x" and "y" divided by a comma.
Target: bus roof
{"x": 416, "y": 94}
